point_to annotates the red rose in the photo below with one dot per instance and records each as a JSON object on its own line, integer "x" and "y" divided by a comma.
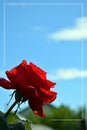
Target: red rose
{"x": 31, "y": 82}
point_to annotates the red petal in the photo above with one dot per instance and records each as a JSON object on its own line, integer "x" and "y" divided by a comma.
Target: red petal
{"x": 6, "y": 84}
{"x": 17, "y": 75}
{"x": 33, "y": 77}
{"x": 47, "y": 96}
{"x": 40, "y": 113}
{"x": 36, "y": 106}
{"x": 51, "y": 84}
{"x": 38, "y": 70}
{"x": 27, "y": 91}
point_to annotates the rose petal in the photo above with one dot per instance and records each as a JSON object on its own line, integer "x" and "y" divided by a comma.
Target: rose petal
{"x": 38, "y": 70}
{"x": 47, "y": 96}
{"x": 36, "y": 106}
{"x": 51, "y": 84}
{"x": 17, "y": 76}
{"x": 30, "y": 81}
{"x": 6, "y": 84}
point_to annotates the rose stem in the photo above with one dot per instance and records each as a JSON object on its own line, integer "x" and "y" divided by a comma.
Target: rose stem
{"x": 6, "y": 114}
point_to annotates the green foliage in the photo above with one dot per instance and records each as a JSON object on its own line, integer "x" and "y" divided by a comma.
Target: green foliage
{"x": 63, "y": 113}
{"x": 11, "y": 118}
{"x": 14, "y": 122}
{"x": 55, "y": 117}
{"x": 27, "y": 126}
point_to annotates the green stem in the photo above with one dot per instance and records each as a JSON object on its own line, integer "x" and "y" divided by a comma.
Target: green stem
{"x": 6, "y": 114}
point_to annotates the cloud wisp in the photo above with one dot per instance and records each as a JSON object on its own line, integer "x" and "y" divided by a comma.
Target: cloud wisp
{"x": 68, "y": 74}
{"x": 77, "y": 32}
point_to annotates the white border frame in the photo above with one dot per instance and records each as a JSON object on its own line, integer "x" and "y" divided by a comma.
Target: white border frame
{"x": 45, "y": 4}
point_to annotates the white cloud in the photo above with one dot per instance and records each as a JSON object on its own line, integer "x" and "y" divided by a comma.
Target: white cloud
{"x": 77, "y": 32}
{"x": 67, "y": 74}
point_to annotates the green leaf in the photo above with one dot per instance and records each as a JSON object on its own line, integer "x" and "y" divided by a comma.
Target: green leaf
{"x": 14, "y": 120}
{"x": 11, "y": 118}
{"x": 3, "y": 123}
{"x": 27, "y": 126}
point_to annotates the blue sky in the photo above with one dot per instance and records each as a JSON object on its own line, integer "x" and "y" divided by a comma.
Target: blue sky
{"x": 51, "y": 36}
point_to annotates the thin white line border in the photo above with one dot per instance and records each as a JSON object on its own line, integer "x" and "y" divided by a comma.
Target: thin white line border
{"x": 47, "y": 4}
